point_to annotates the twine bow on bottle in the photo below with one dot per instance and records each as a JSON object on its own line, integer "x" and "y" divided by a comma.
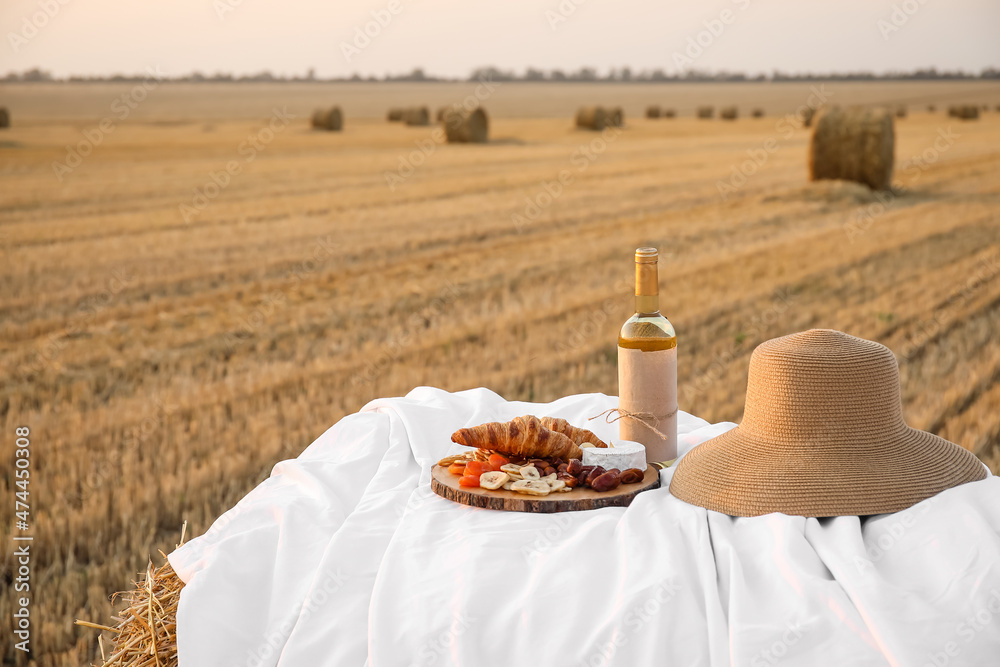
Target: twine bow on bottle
{"x": 643, "y": 418}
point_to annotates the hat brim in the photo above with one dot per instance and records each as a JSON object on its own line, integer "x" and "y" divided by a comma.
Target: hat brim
{"x": 740, "y": 475}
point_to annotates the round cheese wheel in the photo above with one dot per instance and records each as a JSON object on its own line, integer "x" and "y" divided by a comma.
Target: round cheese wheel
{"x": 621, "y": 454}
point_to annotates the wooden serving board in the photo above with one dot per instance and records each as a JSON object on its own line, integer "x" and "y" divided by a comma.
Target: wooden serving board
{"x": 446, "y": 485}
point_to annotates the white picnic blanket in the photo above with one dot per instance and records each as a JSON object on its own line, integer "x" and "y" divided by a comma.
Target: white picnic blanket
{"x": 345, "y": 557}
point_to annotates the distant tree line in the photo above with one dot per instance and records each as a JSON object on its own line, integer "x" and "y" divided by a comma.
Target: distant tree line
{"x": 588, "y": 74}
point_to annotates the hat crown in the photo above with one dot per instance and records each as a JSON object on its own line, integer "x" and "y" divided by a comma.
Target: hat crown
{"x": 821, "y": 386}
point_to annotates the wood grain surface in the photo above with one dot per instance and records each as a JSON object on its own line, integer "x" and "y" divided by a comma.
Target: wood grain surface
{"x": 446, "y": 485}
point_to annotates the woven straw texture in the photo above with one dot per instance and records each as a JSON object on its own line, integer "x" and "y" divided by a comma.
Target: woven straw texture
{"x": 822, "y": 435}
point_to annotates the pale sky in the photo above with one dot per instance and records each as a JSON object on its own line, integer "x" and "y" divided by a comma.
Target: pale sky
{"x": 451, "y": 37}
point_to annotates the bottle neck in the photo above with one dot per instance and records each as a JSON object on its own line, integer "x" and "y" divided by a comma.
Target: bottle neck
{"x": 647, "y": 291}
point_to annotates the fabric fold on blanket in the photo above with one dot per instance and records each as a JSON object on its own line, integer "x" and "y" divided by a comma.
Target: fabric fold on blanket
{"x": 344, "y": 556}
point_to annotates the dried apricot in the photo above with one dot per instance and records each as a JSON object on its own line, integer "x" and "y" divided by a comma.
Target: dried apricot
{"x": 469, "y": 480}
{"x": 477, "y": 468}
{"x": 457, "y": 468}
{"x": 496, "y": 461}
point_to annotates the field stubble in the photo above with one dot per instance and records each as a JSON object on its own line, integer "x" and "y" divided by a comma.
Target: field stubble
{"x": 164, "y": 366}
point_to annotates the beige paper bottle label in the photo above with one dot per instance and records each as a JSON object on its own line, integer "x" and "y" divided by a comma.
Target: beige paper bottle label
{"x": 647, "y": 383}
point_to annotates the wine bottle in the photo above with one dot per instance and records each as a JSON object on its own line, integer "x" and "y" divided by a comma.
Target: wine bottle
{"x": 647, "y": 368}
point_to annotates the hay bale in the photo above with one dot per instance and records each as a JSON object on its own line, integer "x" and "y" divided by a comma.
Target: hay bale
{"x": 616, "y": 117}
{"x": 395, "y": 114}
{"x": 331, "y": 120}
{"x": 729, "y": 113}
{"x": 997, "y": 108}
{"x": 4, "y": 117}
{"x": 964, "y": 111}
{"x": 669, "y": 113}
{"x": 653, "y": 111}
{"x": 439, "y": 114}
{"x": 757, "y": 113}
{"x": 592, "y": 118}
{"x": 417, "y": 116}
{"x": 853, "y": 144}
{"x": 335, "y": 120}
{"x": 466, "y": 126}
{"x": 147, "y": 630}
{"x": 901, "y": 112}
{"x": 807, "y": 116}
{"x": 705, "y": 112}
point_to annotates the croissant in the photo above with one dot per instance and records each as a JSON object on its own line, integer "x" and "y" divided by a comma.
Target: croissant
{"x": 577, "y": 435}
{"x": 522, "y": 436}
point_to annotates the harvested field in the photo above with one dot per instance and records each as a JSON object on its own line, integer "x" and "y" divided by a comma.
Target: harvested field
{"x": 166, "y": 358}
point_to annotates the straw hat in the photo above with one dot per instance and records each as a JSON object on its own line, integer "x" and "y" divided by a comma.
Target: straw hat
{"x": 822, "y": 435}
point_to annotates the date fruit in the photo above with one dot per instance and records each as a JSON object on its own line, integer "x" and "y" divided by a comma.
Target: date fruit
{"x": 608, "y": 481}
{"x": 632, "y": 476}
{"x": 594, "y": 474}
{"x": 571, "y": 482}
{"x": 574, "y": 467}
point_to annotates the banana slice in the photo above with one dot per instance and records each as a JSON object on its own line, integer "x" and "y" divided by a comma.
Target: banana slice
{"x": 564, "y": 488}
{"x": 493, "y": 480}
{"x": 533, "y": 487}
{"x": 554, "y": 484}
{"x": 448, "y": 460}
{"x": 513, "y": 471}
{"x": 549, "y": 478}
{"x": 507, "y": 485}
{"x": 584, "y": 445}
{"x": 530, "y": 473}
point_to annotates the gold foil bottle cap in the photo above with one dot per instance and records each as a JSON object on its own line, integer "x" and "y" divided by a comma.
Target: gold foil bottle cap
{"x": 645, "y": 255}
